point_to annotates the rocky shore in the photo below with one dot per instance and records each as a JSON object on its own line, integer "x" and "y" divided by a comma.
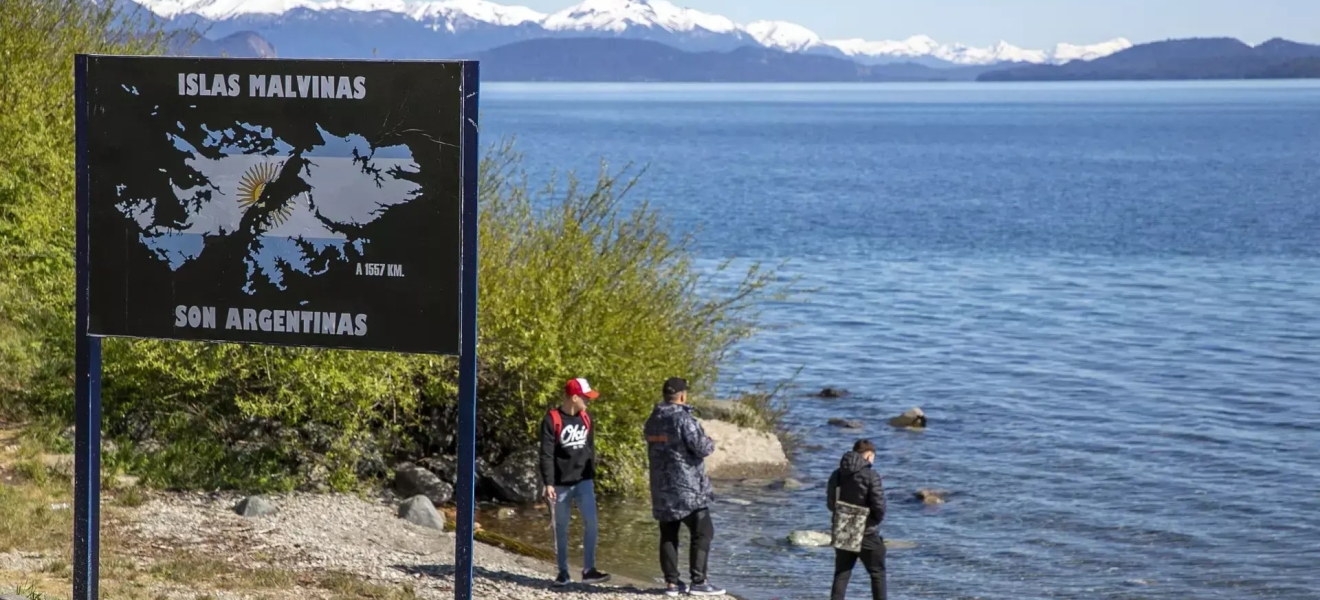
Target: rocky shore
{"x": 342, "y": 533}
{"x": 740, "y": 452}
{"x": 373, "y": 539}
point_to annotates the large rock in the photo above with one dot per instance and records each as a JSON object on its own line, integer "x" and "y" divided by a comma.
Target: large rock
{"x": 255, "y": 506}
{"x": 444, "y": 467}
{"x": 411, "y": 480}
{"x": 419, "y": 510}
{"x": 741, "y": 452}
{"x": 913, "y": 418}
{"x": 810, "y": 539}
{"x": 518, "y": 479}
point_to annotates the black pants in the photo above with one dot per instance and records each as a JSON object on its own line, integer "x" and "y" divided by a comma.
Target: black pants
{"x": 701, "y": 530}
{"x": 873, "y": 558}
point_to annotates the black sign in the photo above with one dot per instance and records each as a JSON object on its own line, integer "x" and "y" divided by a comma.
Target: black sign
{"x": 290, "y": 202}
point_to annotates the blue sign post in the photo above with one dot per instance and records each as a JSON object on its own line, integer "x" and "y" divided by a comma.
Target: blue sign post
{"x": 392, "y": 268}
{"x": 87, "y": 379}
{"x": 467, "y": 362}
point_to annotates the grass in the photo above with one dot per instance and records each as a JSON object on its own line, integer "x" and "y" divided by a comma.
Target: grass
{"x": 350, "y": 587}
{"x": 35, "y": 519}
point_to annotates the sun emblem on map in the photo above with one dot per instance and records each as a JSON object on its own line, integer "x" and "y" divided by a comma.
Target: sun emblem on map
{"x": 254, "y": 182}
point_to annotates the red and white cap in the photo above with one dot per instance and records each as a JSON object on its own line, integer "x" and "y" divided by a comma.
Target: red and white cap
{"x": 580, "y": 387}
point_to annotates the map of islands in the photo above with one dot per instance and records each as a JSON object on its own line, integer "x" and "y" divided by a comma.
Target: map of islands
{"x": 347, "y": 185}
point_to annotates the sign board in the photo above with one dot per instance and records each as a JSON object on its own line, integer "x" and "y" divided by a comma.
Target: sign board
{"x": 290, "y": 202}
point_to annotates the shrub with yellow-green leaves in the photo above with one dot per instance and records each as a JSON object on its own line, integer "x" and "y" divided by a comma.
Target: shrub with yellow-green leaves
{"x": 576, "y": 279}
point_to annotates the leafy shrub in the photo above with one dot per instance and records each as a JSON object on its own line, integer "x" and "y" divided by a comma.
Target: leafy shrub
{"x": 38, "y": 39}
{"x": 576, "y": 280}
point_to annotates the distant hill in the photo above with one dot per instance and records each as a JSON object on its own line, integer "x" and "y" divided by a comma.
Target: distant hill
{"x": 618, "y": 59}
{"x": 242, "y": 44}
{"x": 1200, "y": 58}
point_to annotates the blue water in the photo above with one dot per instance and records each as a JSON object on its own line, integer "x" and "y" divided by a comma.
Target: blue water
{"x": 1106, "y": 297}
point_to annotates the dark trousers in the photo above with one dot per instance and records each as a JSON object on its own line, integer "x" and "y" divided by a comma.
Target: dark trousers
{"x": 873, "y": 558}
{"x": 700, "y": 530}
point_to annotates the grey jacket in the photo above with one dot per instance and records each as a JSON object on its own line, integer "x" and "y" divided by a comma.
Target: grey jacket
{"x": 677, "y": 447}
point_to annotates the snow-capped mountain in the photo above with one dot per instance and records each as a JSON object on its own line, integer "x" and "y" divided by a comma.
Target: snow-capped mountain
{"x": 440, "y": 28}
{"x": 782, "y": 35}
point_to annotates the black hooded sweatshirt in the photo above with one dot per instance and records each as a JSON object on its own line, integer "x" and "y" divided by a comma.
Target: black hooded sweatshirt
{"x": 857, "y": 483}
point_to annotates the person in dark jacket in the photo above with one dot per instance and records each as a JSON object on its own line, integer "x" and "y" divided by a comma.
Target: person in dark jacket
{"x": 855, "y": 482}
{"x": 568, "y": 468}
{"x": 677, "y": 447}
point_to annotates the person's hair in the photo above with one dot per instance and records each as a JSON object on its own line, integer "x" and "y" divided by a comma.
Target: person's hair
{"x": 670, "y": 397}
{"x": 863, "y": 446}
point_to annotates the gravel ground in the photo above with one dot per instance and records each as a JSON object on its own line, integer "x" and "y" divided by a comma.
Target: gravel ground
{"x": 352, "y": 535}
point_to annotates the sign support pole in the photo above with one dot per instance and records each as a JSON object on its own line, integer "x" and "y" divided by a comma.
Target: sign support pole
{"x": 467, "y": 361}
{"x": 87, "y": 384}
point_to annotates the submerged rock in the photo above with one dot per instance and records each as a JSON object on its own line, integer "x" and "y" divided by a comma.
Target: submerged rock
{"x": 831, "y": 392}
{"x": 822, "y": 539}
{"x": 255, "y": 506}
{"x": 913, "y": 418}
{"x": 847, "y": 423}
{"x": 809, "y": 539}
{"x": 789, "y": 484}
{"x": 418, "y": 510}
{"x": 931, "y": 496}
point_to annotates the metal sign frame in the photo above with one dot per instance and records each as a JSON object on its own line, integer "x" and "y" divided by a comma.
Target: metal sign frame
{"x": 87, "y": 382}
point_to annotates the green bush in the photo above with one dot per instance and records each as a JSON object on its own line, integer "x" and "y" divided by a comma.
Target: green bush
{"x": 38, "y": 39}
{"x": 576, "y": 280}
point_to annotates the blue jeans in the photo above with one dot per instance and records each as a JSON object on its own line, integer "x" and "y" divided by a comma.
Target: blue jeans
{"x": 583, "y": 494}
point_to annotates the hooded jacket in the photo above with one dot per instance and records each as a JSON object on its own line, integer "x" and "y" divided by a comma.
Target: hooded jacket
{"x": 857, "y": 483}
{"x": 677, "y": 447}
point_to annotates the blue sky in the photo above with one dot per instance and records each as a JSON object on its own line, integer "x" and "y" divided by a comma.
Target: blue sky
{"x": 1028, "y": 23}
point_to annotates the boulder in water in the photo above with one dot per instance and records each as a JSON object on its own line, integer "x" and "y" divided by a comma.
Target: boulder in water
{"x": 932, "y": 496}
{"x": 847, "y": 423}
{"x": 912, "y": 418}
{"x": 810, "y": 539}
{"x": 741, "y": 452}
{"x": 831, "y": 392}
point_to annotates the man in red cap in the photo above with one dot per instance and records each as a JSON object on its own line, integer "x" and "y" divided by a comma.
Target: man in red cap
{"x": 568, "y": 466}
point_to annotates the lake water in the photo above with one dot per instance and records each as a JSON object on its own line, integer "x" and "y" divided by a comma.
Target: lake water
{"x": 1105, "y": 296}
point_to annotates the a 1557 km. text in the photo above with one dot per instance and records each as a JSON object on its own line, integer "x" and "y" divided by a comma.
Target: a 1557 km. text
{"x": 380, "y": 269}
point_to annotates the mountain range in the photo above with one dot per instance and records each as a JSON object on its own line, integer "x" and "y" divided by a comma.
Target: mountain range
{"x": 1202, "y": 58}
{"x": 448, "y": 28}
{"x": 616, "y": 60}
